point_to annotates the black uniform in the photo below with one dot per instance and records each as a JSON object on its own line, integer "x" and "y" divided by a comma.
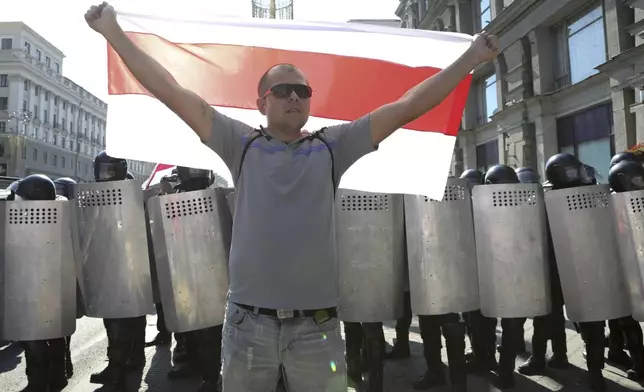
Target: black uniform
{"x": 626, "y": 174}
{"x": 125, "y": 336}
{"x": 566, "y": 171}
{"x": 365, "y": 341}
{"x": 401, "y": 349}
{"x": 552, "y": 326}
{"x": 47, "y": 360}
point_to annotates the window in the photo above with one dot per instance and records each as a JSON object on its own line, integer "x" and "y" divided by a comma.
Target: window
{"x": 24, "y": 106}
{"x": 37, "y": 91}
{"x": 63, "y": 142}
{"x": 48, "y": 62}
{"x": 3, "y": 166}
{"x": 55, "y": 121}
{"x": 3, "y": 127}
{"x": 73, "y": 109}
{"x": 27, "y": 48}
{"x": 1, "y": 155}
{"x": 4, "y": 80}
{"x": 56, "y": 101}
{"x": 487, "y": 155}
{"x": 6, "y": 44}
{"x": 490, "y": 101}
{"x": 57, "y": 68}
{"x": 4, "y": 103}
{"x": 35, "y": 155}
{"x": 46, "y": 116}
{"x": 582, "y": 47}
{"x": 71, "y": 145}
{"x": 54, "y": 140}
{"x": 45, "y": 136}
{"x": 86, "y": 117}
{"x": 485, "y": 13}
{"x": 71, "y": 126}
{"x": 63, "y": 124}
{"x": 588, "y": 135}
{"x": 46, "y": 96}
{"x": 27, "y": 85}
{"x": 55, "y": 160}
{"x": 36, "y": 132}
{"x": 62, "y": 162}
{"x": 44, "y": 156}
{"x": 24, "y": 152}
{"x": 39, "y": 55}
{"x": 35, "y": 111}
{"x": 64, "y": 105}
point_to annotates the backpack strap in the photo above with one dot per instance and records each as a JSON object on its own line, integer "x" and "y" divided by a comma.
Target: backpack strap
{"x": 316, "y": 135}
{"x": 257, "y": 135}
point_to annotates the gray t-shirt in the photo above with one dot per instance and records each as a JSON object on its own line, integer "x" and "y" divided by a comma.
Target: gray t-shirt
{"x": 283, "y": 253}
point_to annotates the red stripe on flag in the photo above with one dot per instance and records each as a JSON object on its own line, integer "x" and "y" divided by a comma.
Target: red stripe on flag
{"x": 157, "y": 168}
{"x": 345, "y": 88}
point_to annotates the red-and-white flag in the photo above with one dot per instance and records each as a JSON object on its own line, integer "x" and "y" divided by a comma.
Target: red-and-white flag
{"x": 157, "y": 174}
{"x": 353, "y": 69}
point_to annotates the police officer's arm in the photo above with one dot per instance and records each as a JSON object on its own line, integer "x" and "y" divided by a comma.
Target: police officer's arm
{"x": 192, "y": 109}
{"x": 431, "y": 92}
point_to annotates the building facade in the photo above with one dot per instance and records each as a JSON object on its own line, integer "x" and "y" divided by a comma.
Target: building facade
{"x": 48, "y": 124}
{"x": 569, "y": 79}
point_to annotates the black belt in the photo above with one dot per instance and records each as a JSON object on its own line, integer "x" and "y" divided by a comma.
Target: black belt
{"x": 318, "y": 314}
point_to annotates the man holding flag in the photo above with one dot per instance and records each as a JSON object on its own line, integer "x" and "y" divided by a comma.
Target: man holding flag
{"x": 281, "y": 312}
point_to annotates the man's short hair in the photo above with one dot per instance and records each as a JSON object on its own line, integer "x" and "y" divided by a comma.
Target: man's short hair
{"x": 263, "y": 85}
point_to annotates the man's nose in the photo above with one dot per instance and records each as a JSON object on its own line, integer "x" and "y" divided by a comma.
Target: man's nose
{"x": 293, "y": 96}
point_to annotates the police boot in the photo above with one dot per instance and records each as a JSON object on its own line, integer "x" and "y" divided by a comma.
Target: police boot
{"x": 594, "y": 340}
{"x": 209, "y": 340}
{"x": 503, "y": 376}
{"x": 118, "y": 349}
{"x": 191, "y": 366}
{"x": 37, "y": 359}
{"x": 375, "y": 353}
{"x": 536, "y": 364}
{"x": 69, "y": 365}
{"x": 559, "y": 359}
{"x": 454, "y": 332}
{"x": 430, "y": 332}
{"x": 136, "y": 358}
{"x": 400, "y": 349}
{"x": 353, "y": 337}
{"x": 484, "y": 347}
{"x": 635, "y": 344}
{"x": 57, "y": 371}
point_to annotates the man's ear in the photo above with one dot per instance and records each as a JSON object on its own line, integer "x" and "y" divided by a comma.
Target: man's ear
{"x": 261, "y": 106}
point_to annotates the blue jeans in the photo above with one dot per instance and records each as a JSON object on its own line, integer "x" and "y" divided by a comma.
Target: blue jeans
{"x": 258, "y": 348}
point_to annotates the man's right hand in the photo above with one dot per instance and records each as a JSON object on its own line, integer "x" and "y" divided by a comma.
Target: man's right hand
{"x": 102, "y": 19}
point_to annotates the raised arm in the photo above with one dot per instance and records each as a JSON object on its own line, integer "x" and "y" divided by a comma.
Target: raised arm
{"x": 190, "y": 107}
{"x": 431, "y": 92}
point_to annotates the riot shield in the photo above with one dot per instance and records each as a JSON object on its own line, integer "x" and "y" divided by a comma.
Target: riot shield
{"x": 370, "y": 238}
{"x": 442, "y": 252}
{"x": 37, "y": 275}
{"x": 628, "y": 210}
{"x": 110, "y": 244}
{"x": 511, "y": 250}
{"x": 191, "y": 236}
{"x": 583, "y": 235}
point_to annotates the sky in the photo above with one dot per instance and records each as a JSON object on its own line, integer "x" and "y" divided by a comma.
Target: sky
{"x": 62, "y": 24}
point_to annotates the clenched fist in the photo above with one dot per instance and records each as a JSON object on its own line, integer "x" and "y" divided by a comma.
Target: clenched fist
{"x": 102, "y": 19}
{"x": 484, "y": 48}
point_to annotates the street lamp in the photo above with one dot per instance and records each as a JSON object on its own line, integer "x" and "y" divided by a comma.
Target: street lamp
{"x": 21, "y": 117}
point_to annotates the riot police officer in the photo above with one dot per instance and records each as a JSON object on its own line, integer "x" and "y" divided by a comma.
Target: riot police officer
{"x": 126, "y": 336}
{"x": 502, "y": 376}
{"x": 566, "y": 171}
{"x": 64, "y": 191}
{"x": 479, "y": 329}
{"x": 203, "y": 347}
{"x": 626, "y": 175}
{"x": 552, "y": 326}
{"x": 46, "y": 359}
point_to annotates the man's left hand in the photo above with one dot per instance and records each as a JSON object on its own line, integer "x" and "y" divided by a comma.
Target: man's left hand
{"x": 484, "y": 48}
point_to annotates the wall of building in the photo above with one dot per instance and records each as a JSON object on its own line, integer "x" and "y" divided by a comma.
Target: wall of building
{"x": 48, "y": 123}
{"x": 548, "y": 91}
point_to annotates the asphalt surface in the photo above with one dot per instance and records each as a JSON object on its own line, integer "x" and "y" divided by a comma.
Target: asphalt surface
{"x": 89, "y": 345}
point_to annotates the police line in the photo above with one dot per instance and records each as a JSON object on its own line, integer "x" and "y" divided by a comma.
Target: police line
{"x": 484, "y": 247}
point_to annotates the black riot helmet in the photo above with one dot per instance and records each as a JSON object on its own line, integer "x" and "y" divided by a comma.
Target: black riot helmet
{"x": 626, "y": 176}
{"x": 475, "y": 177}
{"x": 566, "y": 171}
{"x": 107, "y": 168}
{"x": 193, "y": 179}
{"x": 622, "y": 156}
{"x": 501, "y": 174}
{"x": 129, "y": 176}
{"x": 63, "y": 186}
{"x": 36, "y": 187}
{"x": 527, "y": 175}
{"x": 12, "y": 188}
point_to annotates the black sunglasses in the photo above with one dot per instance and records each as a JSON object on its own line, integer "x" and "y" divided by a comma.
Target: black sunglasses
{"x": 285, "y": 90}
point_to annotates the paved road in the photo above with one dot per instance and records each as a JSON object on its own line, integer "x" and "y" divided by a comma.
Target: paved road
{"x": 89, "y": 346}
